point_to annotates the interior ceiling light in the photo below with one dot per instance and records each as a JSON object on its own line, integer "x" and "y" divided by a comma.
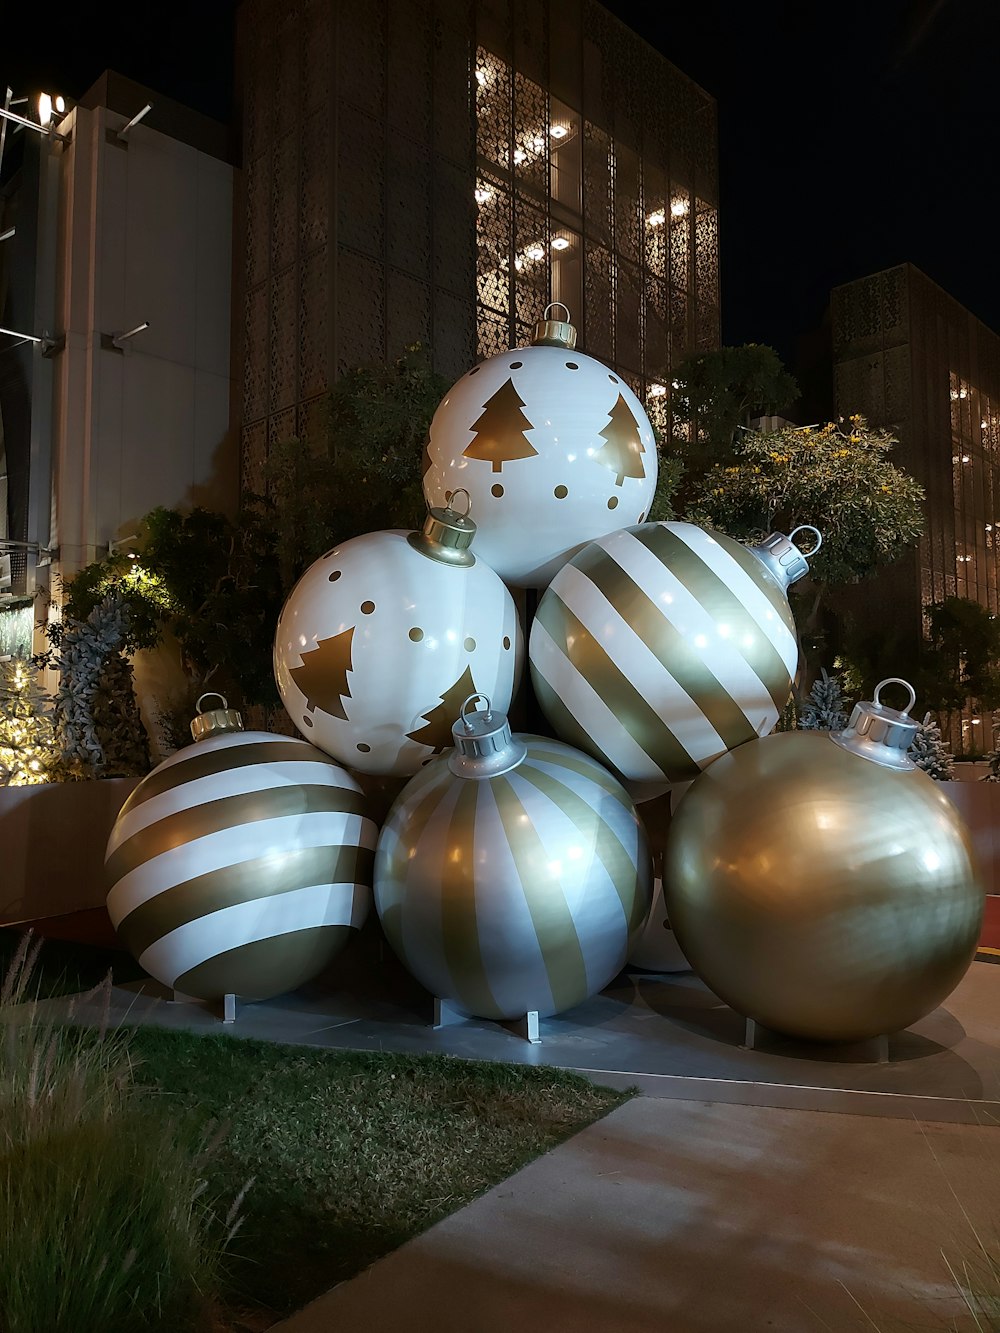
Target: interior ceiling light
{"x": 984, "y": 425}
{"x": 559, "y": 131}
{"x": 480, "y": 77}
{"x": 657, "y": 219}
{"x": 483, "y": 195}
{"x": 537, "y": 143}
{"x": 519, "y": 155}
{"x": 966, "y": 458}
{"x": 535, "y": 252}
{"x": 560, "y": 243}
{"x": 657, "y": 390}
{"x": 679, "y": 207}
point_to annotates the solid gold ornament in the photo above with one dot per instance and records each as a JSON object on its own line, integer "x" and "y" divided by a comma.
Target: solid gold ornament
{"x": 823, "y": 885}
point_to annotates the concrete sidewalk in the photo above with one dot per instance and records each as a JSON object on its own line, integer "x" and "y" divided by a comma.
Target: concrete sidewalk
{"x": 690, "y": 1217}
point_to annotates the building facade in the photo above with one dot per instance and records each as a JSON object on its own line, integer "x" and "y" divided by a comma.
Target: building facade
{"x": 111, "y": 233}
{"x": 437, "y": 171}
{"x": 911, "y": 358}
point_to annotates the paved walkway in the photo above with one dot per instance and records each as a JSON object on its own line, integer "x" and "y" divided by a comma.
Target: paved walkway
{"x": 694, "y": 1217}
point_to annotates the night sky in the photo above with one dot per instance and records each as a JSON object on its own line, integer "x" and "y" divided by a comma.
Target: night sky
{"x": 854, "y": 134}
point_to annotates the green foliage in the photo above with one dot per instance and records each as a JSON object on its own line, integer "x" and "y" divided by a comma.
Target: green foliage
{"x": 714, "y": 393}
{"x": 669, "y": 475}
{"x": 930, "y": 753}
{"x": 825, "y": 708}
{"x": 960, "y": 663}
{"x": 838, "y": 479}
{"x": 105, "y": 1221}
{"x": 362, "y": 470}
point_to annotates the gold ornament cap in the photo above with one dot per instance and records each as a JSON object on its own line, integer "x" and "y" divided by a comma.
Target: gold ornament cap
{"x": 781, "y": 557}
{"x": 879, "y": 733}
{"x": 484, "y": 746}
{"x": 554, "y": 332}
{"x": 447, "y": 534}
{"x": 214, "y": 721}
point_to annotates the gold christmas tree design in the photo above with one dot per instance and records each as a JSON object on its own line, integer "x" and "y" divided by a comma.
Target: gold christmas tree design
{"x": 322, "y": 677}
{"x": 622, "y": 453}
{"x": 500, "y": 429}
{"x": 440, "y": 720}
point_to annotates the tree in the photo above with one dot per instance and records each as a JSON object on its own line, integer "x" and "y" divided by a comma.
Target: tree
{"x": 840, "y": 480}
{"x": 929, "y": 752}
{"x": 624, "y": 449}
{"x": 825, "y": 707}
{"x": 28, "y": 752}
{"x": 440, "y": 720}
{"x": 960, "y": 663}
{"x": 359, "y": 467}
{"x": 714, "y": 393}
{"x": 500, "y": 428}
{"x": 322, "y": 677}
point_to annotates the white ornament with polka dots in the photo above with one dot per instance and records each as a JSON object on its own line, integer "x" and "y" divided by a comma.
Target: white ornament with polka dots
{"x": 383, "y": 638}
{"x": 554, "y": 449}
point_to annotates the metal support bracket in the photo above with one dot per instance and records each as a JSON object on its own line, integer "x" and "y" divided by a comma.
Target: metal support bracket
{"x": 446, "y": 1015}
{"x": 756, "y": 1036}
{"x": 230, "y": 1004}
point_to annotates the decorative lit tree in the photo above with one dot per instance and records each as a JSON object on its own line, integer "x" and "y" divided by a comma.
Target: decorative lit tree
{"x": 825, "y": 708}
{"x": 930, "y": 752}
{"x": 440, "y": 720}
{"x": 28, "y": 750}
{"x": 322, "y": 677}
{"x": 623, "y": 451}
{"x": 500, "y": 428}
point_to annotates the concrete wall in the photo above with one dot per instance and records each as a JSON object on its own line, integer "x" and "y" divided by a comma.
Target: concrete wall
{"x": 145, "y": 233}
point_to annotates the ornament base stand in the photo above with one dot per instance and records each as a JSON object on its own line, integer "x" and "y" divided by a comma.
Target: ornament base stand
{"x": 446, "y": 1015}
{"x": 227, "y": 1009}
{"x": 757, "y": 1037}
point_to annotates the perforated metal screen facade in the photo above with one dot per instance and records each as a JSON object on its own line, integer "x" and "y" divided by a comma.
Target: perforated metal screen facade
{"x": 437, "y": 171}
{"x": 909, "y": 357}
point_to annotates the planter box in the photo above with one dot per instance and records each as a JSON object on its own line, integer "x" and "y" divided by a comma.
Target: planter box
{"x": 979, "y": 805}
{"x": 53, "y": 838}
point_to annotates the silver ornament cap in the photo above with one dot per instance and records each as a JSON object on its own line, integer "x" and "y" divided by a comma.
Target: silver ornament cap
{"x": 446, "y": 535}
{"x": 213, "y": 721}
{"x": 484, "y": 745}
{"x": 554, "y": 332}
{"x": 781, "y": 557}
{"x": 880, "y": 733}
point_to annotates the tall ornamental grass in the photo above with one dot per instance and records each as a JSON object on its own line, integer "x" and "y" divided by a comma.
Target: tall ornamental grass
{"x": 105, "y": 1221}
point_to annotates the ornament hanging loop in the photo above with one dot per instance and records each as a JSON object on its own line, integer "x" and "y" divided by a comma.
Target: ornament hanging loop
{"x": 895, "y": 680}
{"x": 562, "y": 306}
{"x": 468, "y": 502}
{"x": 486, "y": 714}
{"x": 807, "y": 527}
{"x": 210, "y": 694}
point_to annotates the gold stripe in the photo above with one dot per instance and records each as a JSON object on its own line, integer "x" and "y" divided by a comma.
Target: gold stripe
{"x": 555, "y": 929}
{"x": 263, "y": 968}
{"x": 633, "y": 713}
{"x": 230, "y": 757}
{"x": 185, "y": 826}
{"x": 393, "y": 861}
{"x": 248, "y": 881}
{"x": 632, "y": 879}
{"x": 564, "y": 721}
{"x": 459, "y": 925}
{"x": 672, "y": 649}
{"x": 721, "y": 603}
{"x": 538, "y": 750}
{"x": 765, "y": 581}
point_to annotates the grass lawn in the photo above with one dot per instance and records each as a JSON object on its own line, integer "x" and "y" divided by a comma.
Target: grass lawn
{"x": 352, "y": 1153}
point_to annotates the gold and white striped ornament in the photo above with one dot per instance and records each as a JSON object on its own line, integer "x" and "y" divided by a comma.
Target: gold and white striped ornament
{"x": 512, "y": 875}
{"x": 662, "y": 646}
{"x": 242, "y": 864}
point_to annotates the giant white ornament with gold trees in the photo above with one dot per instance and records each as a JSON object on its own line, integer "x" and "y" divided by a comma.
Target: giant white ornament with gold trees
{"x": 662, "y": 646}
{"x": 822, "y": 884}
{"x": 513, "y": 875}
{"x": 383, "y": 637}
{"x": 553, "y": 447}
{"x": 242, "y": 864}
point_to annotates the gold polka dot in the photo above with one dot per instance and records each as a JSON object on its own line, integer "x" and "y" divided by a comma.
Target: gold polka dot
{"x": 571, "y": 365}
{"x": 612, "y": 504}
{"x": 506, "y": 641}
{"x": 368, "y": 607}
{"x": 307, "y": 720}
{"x": 516, "y": 365}
{"x": 365, "y": 749}
{"x": 561, "y": 492}
{"x": 470, "y": 645}
{"x": 641, "y": 518}
{"x": 335, "y": 576}
{"x": 612, "y": 379}
{"x": 496, "y": 490}
{"x": 416, "y": 634}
